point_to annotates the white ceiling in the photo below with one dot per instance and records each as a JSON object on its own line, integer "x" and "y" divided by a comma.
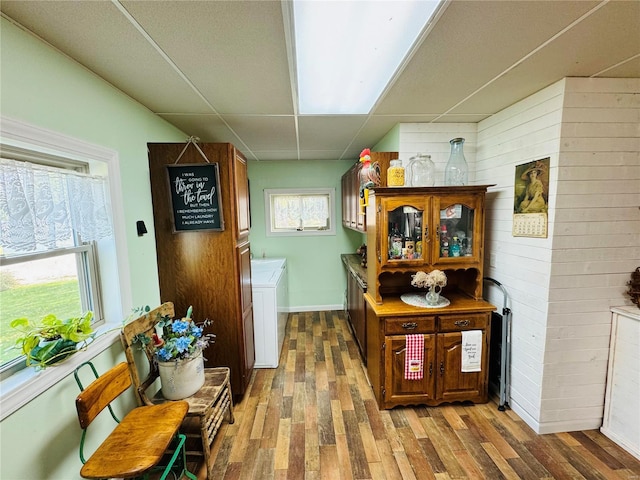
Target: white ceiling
{"x": 223, "y": 71}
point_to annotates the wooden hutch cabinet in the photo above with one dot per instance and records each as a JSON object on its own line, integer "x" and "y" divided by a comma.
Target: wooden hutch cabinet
{"x": 423, "y": 229}
{"x": 209, "y": 269}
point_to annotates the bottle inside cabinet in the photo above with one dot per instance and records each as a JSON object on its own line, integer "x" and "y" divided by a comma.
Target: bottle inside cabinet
{"x": 456, "y": 231}
{"x": 405, "y": 244}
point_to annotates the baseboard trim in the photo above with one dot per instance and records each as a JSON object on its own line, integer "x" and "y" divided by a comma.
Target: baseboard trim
{"x": 542, "y": 428}
{"x": 315, "y": 308}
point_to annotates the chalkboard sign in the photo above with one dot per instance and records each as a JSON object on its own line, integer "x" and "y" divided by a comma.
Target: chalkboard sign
{"x": 195, "y": 197}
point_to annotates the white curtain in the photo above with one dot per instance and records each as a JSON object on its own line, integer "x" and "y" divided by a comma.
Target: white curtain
{"x": 41, "y": 207}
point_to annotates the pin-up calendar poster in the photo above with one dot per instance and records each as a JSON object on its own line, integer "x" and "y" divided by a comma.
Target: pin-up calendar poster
{"x": 531, "y": 199}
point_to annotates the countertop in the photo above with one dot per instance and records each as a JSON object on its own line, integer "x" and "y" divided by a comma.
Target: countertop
{"x": 353, "y": 263}
{"x": 460, "y": 303}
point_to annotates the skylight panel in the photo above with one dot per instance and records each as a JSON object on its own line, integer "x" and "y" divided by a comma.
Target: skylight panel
{"x": 348, "y": 50}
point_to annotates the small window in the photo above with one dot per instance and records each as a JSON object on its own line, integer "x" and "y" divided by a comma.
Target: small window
{"x": 295, "y": 212}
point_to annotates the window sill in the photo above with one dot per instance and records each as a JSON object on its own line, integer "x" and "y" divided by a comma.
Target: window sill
{"x": 22, "y": 387}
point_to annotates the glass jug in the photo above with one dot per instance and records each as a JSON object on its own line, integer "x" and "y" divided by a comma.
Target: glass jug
{"x": 456, "y": 171}
{"x": 421, "y": 171}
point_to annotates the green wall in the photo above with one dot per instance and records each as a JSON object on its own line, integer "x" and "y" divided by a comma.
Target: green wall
{"x": 45, "y": 89}
{"x": 390, "y": 142}
{"x": 316, "y": 276}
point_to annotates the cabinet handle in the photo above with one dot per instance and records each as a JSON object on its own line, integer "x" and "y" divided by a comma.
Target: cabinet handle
{"x": 462, "y": 323}
{"x": 410, "y": 325}
{"x": 430, "y": 369}
{"x": 441, "y": 369}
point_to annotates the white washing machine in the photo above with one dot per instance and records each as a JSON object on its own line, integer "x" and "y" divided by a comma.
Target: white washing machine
{"x": 269, "y": 284}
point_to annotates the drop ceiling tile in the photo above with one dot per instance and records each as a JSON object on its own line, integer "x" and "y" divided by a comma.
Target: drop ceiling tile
{"x": 628, "y": 69}
{"x": 234, "y": 52}
{"x": 275, "y": 155}
{"x": 469, "y": 45}
{"x": 462, "y": 118}
{"x": 605, "y": 38}
{"x": 328, "y": 132}
{"x": 208, "y": 128}
{"x": 99, "y": 37}
{"x": 271, "y": 132}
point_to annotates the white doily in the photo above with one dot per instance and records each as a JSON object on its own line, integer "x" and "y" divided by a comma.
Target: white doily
{"x": 419, "y": 300}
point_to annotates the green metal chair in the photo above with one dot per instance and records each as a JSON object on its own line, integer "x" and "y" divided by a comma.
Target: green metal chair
{"x": 140, "y": 441}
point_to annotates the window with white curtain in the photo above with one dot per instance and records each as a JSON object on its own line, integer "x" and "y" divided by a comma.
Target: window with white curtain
{"x": 51, "y": 216}
{"x": 295, "y": 212}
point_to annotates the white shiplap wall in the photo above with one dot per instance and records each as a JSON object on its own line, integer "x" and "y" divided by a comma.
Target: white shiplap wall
{"x": 560, "y": 288}
{"x": 596, "y": 245}
{"x": 433, "y": 139}
{"x": 522, "y": 133}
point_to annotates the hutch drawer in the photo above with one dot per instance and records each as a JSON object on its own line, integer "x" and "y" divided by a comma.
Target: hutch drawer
{"x": 409, "y": 325}
{"x": 463, "y": 322}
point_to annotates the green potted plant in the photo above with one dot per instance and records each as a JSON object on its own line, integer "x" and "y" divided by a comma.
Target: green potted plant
{"x": 52, "y": 339}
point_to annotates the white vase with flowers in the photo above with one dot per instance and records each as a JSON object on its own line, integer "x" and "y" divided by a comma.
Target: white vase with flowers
{"x": 434, "y": 282}
{"x": 177, "y": 346}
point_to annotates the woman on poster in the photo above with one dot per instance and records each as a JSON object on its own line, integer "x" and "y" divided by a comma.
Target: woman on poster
{"x": 533, "y": 200}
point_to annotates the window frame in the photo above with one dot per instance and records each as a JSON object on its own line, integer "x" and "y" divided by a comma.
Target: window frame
{"x": 88, "y": 284}
{"x": 23, "y": 141}
{"x": 328, "y": 191}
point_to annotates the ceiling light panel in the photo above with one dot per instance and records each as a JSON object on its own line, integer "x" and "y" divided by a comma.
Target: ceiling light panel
{"x": 347, "y": 51}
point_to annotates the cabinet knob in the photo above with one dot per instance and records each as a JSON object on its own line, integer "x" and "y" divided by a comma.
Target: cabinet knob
{"x": 409, "y": 325}
{"x": 462, "y": 323}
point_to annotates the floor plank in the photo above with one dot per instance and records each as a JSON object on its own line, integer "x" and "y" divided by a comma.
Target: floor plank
{"x": 315, "y": 418}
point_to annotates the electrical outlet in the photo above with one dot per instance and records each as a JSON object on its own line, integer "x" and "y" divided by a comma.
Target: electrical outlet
{"x": 492, "y": 260}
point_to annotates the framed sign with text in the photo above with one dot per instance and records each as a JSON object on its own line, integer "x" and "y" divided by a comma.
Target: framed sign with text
{"x": 195, "y": 197}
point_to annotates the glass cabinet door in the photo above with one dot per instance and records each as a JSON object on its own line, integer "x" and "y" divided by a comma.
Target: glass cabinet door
{"x": 456, "y": 230}
{"x": 404, "y": 237}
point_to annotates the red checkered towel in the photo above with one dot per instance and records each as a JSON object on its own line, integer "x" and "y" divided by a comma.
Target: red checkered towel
{"x": 414, "y": 357}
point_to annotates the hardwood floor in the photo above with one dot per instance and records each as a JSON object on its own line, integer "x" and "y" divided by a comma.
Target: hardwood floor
{"x": 315, "y": 417}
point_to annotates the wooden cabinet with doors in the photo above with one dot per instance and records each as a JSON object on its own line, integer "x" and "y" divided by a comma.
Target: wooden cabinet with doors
{"x": 431, "y": 218}
{"x": 425, "y": 229}
{"x": 209, "y": 269}
{"x": 355, "y": 304}
{"x": 353, "y": 216}
{"x": 241, "y": 183}
{"x": 443, "y": 379}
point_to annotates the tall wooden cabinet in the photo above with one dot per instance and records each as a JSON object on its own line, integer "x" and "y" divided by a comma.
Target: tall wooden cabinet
{"x": 353, "y": 216}
{"x": 432, "y": 220}
{"x": 209, "y": 270}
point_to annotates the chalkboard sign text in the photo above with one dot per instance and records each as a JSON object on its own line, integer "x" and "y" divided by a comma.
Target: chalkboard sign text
{"x": 195, "y": 197}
